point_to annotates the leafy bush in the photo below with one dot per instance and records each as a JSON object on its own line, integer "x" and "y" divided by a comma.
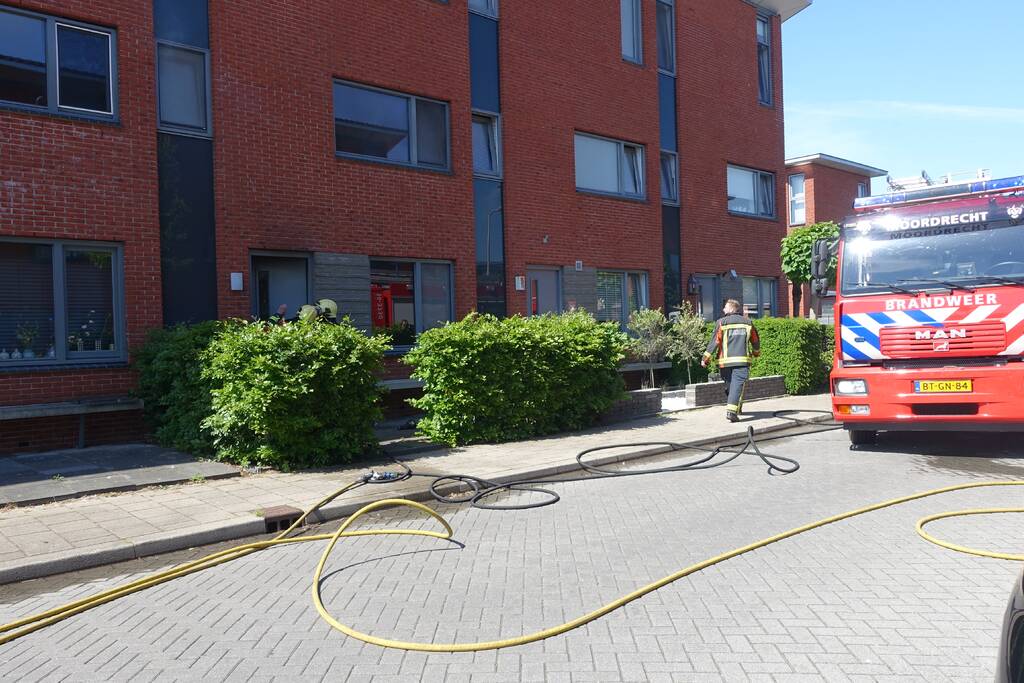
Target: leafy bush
{"x": 793, "y": 348}
{"x": 649, "y": 337}
{"x": 800, "y": 350}
{"x": 490, "y": 380}
{"x": 177, "y": 398}
{"x": 293, "y": 396}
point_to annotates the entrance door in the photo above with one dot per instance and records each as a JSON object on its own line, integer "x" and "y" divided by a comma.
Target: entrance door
{"x": 710, "y": 294}
{"x": 543, "y": 292}
{"x": 279, "y": 280}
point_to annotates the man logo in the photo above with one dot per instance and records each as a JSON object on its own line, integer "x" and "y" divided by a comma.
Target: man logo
{"x": 940, "y": 345}
{"x": 940, "y": 334}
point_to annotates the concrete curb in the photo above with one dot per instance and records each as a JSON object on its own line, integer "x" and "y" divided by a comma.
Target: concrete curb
{"x": 155, "y": 544}
{"x": 119, "y": 488}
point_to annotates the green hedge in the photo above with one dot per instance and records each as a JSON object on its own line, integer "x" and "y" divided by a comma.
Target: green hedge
{"x": 798, "y": 349}
{"x": 793, "y": 348}
{"x": 293, "y": 396}
{"x": 289, "y": 396}
{"x": 490, "y": 380}
{"x": 177, "y": 398}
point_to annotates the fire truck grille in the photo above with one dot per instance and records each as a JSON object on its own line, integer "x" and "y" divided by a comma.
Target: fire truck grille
{"x": 976, "y": 339}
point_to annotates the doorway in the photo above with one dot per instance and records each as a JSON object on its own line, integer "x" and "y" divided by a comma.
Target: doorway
{"x": 279, "y": 281}
{"x": 544, "y": 291}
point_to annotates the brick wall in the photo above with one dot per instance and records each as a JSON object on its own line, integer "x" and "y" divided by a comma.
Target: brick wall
{"x": 560, "y": 73}
{"x": 279, "y": 185}
{"x": 66, "y": 179}
{"x": 713, "y": 393}
{"x": 721, "y": 122}
{"x": 830, "y": 192}
{"x": 43, "y": 434}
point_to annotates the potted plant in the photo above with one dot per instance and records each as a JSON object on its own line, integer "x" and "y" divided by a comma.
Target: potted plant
{"x": 26, "y": 334}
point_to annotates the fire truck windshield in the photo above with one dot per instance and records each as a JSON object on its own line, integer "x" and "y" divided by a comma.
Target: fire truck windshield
{"x": 970, "y": 255}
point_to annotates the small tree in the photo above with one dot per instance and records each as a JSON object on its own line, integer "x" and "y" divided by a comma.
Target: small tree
{"x": 797, "y": 249}
{"x": 686, "y": 337}
{"x": 649, "y": 337}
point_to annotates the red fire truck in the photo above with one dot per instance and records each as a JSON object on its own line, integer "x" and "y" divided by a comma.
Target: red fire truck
{"x": 929, "y": 310}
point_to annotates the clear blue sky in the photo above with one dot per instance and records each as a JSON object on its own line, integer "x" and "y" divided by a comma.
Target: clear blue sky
{"x": 907, "y": 85}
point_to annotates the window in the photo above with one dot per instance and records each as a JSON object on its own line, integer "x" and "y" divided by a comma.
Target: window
{"x": 759, "y": 297}
{"x": 797, "y": 200}
{"x": 280, "y": 285}
{"x": 609, "y": 166}
{"x": 375, "y": 124}
{"x": 619, "y": 294}
{"x": 751, "y": 192}
{"x": 862, "y": 190}
{"x": 710, "y": 296}
{"x": 408, "y": 297}
{"x": 80, "y": 77}
{"x": 183, "y": 88}
{"x": 485, "y": 145}
{"x": 669, "y": 177}
{"x": 666, "y": 36}
{"x": 60, "y": 302}
{"x": 632, "y": 33}
{"x": 487, "y": 7}
{"x": 764, "y": 59}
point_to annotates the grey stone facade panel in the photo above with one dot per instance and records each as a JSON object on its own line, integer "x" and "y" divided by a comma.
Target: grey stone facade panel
{"x": 345, "y": 278}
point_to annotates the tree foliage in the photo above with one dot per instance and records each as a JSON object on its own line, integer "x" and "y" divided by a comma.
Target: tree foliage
{"x": 798, "y": 247}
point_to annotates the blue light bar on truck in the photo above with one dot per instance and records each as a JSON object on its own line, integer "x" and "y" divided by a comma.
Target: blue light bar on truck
{"x": 973, "y": 187}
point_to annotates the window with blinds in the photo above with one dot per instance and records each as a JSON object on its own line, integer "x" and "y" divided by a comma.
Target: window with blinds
{"x": 60, "y": 303}
{"x": 26, "y": 301}
{"x": 619, "y": 294}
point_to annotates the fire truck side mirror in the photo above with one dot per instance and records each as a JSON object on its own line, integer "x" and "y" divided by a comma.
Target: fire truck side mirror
{"x": 820, "y": 259}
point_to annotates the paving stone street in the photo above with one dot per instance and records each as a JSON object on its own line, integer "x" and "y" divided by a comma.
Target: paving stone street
{"x": 861, "y": 600}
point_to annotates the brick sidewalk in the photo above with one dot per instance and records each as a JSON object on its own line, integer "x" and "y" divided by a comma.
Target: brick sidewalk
{"x": 50, "y": 539}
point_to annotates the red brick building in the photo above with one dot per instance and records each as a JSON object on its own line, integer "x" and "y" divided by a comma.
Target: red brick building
{"x": 821, "y": 187}
{"x": 178, "y": 160}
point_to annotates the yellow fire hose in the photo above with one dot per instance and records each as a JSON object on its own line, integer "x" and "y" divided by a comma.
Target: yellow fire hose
{"x": 22, "y": 627}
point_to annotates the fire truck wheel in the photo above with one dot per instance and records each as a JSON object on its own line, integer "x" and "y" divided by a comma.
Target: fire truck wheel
{"x": 863, "y": 437}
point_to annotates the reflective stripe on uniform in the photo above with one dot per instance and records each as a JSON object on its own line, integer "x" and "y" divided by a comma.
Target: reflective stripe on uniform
{"x": 732, "y": 408}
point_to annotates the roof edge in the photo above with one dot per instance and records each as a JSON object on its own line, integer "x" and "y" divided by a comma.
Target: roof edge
{"x": 787, "y": 9}
{"x": 837, "y": 163}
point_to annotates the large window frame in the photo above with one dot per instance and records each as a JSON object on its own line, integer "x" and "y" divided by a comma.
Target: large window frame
{"x": 419, "y": 325}
{"x": 668, "y": 170}
{"x": 766, "y": 289}
{"x": 797, "y": 200}
{"x": 760, "y": 196}
{"x": 52, "y": 25}
{"x": 637, "y": 31}
{"x": 765, "y": 77}
{"x": 412, "y": 132}
{"x": 621, "y": 163}
{"x": 60, "y": 312}
{"x": 644, "y": 294}
{"x": 667, "y": 41}
{"x": 489, "y": 8}
{"x": 183, "y": 129}
{"x": 494, "y": 140}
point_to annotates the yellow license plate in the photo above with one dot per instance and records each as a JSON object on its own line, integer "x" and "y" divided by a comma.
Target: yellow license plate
{"x": 944, "y": 386}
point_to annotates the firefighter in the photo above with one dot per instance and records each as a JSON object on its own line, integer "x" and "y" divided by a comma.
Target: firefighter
{"x": 325, "y": 310}
{"x": 733, "y": 334}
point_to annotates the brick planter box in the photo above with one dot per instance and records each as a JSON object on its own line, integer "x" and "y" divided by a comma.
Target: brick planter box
{"x": 636, "y": 404}
{"x": 713, "y": 393}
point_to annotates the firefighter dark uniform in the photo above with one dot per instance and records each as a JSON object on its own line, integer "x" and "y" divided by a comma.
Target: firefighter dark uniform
{"x": 735, "y": 341}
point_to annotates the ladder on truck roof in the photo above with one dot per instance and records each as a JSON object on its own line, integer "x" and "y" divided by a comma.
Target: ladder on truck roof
{"x": 933, "y": 192}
